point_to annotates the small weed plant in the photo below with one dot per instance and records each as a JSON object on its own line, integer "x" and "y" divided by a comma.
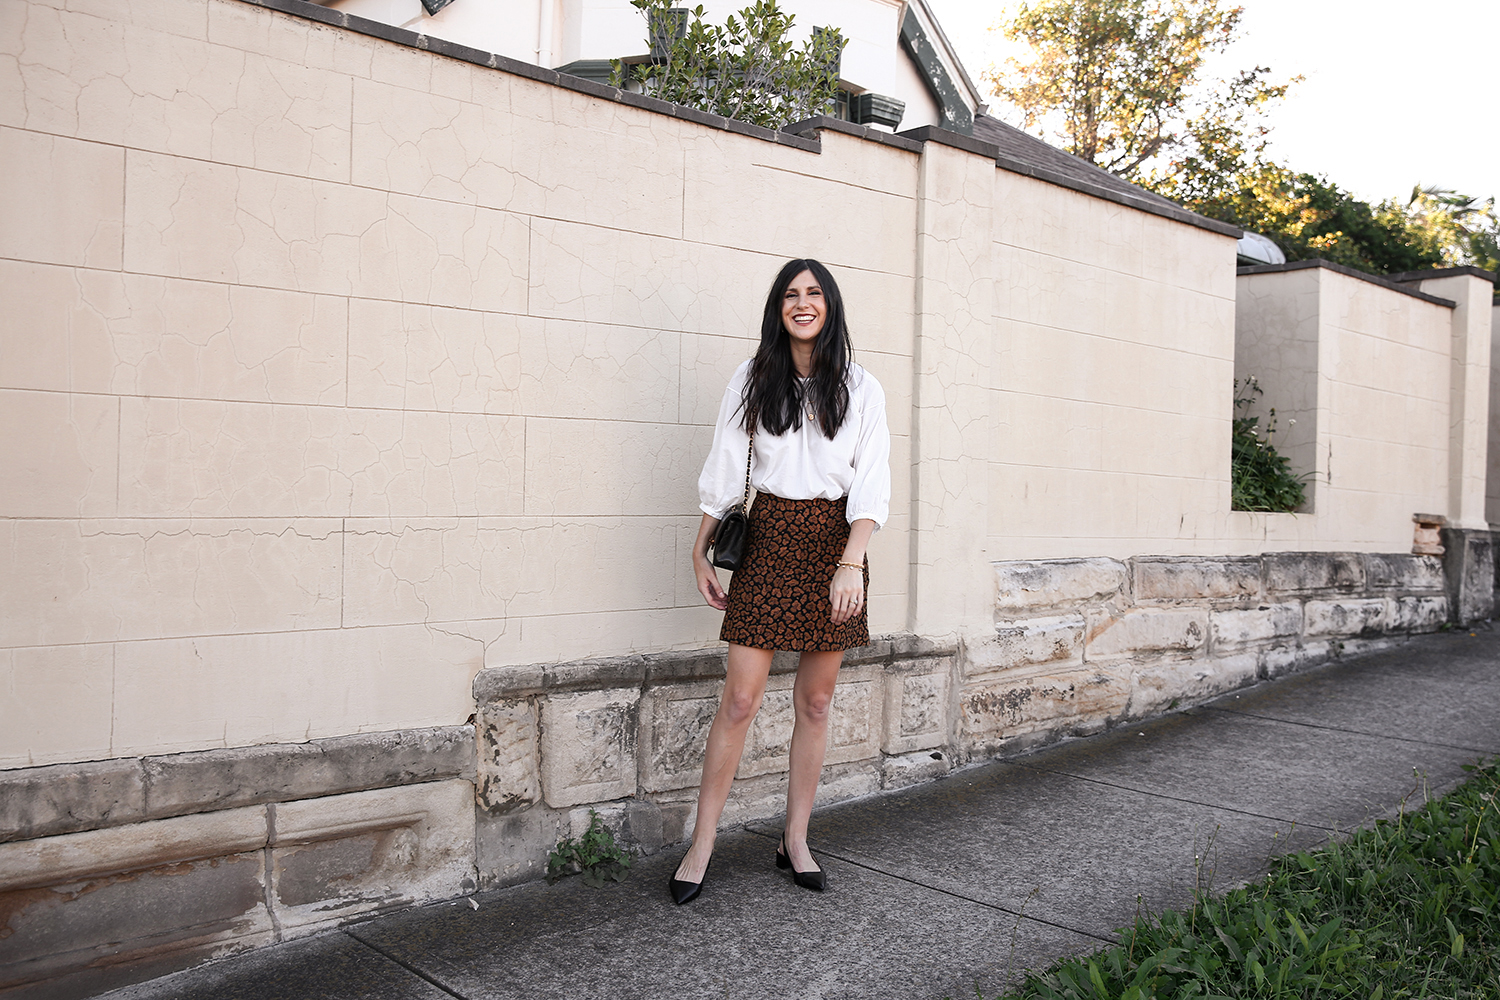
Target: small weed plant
{"x": 1260, "y": 478}
{"x": 595, "y": 856}
{"x": 1408, "y": 908}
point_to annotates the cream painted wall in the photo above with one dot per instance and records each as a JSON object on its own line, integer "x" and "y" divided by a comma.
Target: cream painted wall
{"x": 1111, "y": 378}
{"x": 1364, "y": 370}
{"x": 1469, "y": 381}
{"x": 1492, "y": 480}
{"x": 334, "y": 370}
{"x": 343, "y": 367}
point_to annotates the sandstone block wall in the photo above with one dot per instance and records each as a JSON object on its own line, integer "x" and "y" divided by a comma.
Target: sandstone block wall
{"x": 1077, "y": 646}
{"x": 625, "y": 737}
{"x": 1358, "y": 372}
{"x": 117, "y": 871}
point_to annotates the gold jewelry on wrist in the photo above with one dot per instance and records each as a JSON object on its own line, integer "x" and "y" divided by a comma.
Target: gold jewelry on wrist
{"x": 851, "y": 565}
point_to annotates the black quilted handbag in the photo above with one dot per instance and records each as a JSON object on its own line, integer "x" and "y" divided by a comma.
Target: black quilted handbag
{"x": 729, "y": 537}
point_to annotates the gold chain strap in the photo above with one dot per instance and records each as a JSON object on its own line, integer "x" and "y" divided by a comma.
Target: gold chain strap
{"x": 750, "y": 457}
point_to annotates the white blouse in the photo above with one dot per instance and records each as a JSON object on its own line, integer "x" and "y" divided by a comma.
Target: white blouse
{"x": 803, "y": 464}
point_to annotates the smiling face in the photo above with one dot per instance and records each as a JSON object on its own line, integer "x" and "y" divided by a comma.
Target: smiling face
{"x": 803, "y": 309}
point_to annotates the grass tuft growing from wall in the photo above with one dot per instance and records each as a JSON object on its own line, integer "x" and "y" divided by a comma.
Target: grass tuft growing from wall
{"x": 1408, "y": 908}
{"x": 1260, "y": 478}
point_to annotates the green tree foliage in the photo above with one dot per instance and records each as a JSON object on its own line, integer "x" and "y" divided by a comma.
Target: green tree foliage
{"x": 748, "y": 68}
{"x": 1307, "y": 216}
{"x": 1310, "y": 217}
{"x": 1457, "y": 228}
{"x": 1119, "y": 83}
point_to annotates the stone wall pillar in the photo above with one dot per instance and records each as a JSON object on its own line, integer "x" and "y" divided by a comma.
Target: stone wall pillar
{"x": 950, "y": 586}
{"x": 1469, "y": 563}
{"x": 1469, "y": 560}
{"x": 1472, "y": 290}
{"x": 1492, "y": 469}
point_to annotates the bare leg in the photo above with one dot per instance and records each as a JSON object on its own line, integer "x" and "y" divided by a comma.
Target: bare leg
{"x": 817, "y": 674}
{"x": 744, "y": 686}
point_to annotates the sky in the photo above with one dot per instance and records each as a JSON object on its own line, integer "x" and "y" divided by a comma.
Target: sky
{"x": 1396, "y": 94}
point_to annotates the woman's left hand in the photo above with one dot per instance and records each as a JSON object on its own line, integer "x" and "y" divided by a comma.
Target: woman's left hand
{"x": 846, "y": 593}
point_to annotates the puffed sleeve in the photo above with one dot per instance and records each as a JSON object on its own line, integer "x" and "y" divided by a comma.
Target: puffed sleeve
{"x": 721, "y": 485}
{"x": 870, "y": 493}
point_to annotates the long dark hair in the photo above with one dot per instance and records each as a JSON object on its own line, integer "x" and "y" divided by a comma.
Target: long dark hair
{"x": 774, "y": 397}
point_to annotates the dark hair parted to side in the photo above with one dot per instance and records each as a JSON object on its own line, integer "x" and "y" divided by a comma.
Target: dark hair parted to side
{"x": 774, "y": 397}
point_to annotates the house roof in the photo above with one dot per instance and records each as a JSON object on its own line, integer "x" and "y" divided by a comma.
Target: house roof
{"x": 1026, "y": 154}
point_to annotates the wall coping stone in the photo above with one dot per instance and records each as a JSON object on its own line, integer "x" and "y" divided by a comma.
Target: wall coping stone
{"x": 1444, "y": 272}
{"x": 794, "y": 134}
{"x": 947, "y": 137}
{"x": 1348, "y": 272}
{"x": 509, "y": 682}
{"x": 820, "y": 122}
{"x": 1140, "y": 204}
{"x": 69, "y": 798}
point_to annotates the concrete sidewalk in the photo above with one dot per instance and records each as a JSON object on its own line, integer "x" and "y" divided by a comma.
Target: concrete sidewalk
{"x": 960, "y": 884}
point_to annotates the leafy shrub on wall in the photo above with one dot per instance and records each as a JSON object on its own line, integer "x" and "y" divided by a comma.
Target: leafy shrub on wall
{"x": 1260, "y": 479}
{"x": 748, "y": 68}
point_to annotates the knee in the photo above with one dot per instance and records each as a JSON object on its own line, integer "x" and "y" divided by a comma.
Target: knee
{"x": 739, "y": 706}
{"x": 814, "y": 707}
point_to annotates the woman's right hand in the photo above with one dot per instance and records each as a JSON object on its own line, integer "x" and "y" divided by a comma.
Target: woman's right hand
{"x": 708, "y": 576}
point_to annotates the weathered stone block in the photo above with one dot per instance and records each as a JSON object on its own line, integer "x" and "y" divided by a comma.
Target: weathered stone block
{"x": 1304, "y": 572}
{"x": 1417, "y": 614}
{"x": 768, "y": 745}
{"x": 854, "y": 720}
{"x": 913, "y": 768}
{"x": 54, "y": 860}
{"x": 1033, "y": 585}
{"x": 70, "y": 798}
{"x": 509, "y": 775}
{"x": 841, "y": 782}
{"x": 1400, "y": 571}
{"x": 513, "y": 847}
{"x": 280, "y": 772}
{"x": 916, "y": 711}
{"x": 633, "y": 823}
{"x": 1469, "y": 568}
{"x": 1001, "y": 708}
{"x": 343, "y": 855}
{"x": 588, "y": 746}
{"x": 1194, "y": 578}
{"x": 675, "y": 719}
{"x": 65, "y": 798}
{"x": 183, "y": 912}
{"x": 1161, "y": 685}
{"x": 1055, "y": 639}
{"x": 1278, "y": 660}
{"x": 1150, "y": 630}
{"x": 158, "y": 894}
{"x": 1343, "y": 618}
{"x": 1235, "y": 629}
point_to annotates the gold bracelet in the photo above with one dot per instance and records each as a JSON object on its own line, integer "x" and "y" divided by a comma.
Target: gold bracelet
{"x": 851, "y": 565}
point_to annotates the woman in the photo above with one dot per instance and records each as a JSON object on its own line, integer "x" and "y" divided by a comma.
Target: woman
{"x": 820, "y": 465}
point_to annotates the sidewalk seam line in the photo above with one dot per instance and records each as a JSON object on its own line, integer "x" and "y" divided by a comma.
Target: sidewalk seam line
{"x": 1355, "y": 732}
{"x": 1176, "y": 798}
{"x": 948, "y": 892}
{"x": 419, "y": 973}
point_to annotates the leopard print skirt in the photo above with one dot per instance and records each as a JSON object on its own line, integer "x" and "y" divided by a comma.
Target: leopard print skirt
{"x": 778, "y": 598}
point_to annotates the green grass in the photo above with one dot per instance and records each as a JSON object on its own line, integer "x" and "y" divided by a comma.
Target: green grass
{"x": 1407, "y": 908}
